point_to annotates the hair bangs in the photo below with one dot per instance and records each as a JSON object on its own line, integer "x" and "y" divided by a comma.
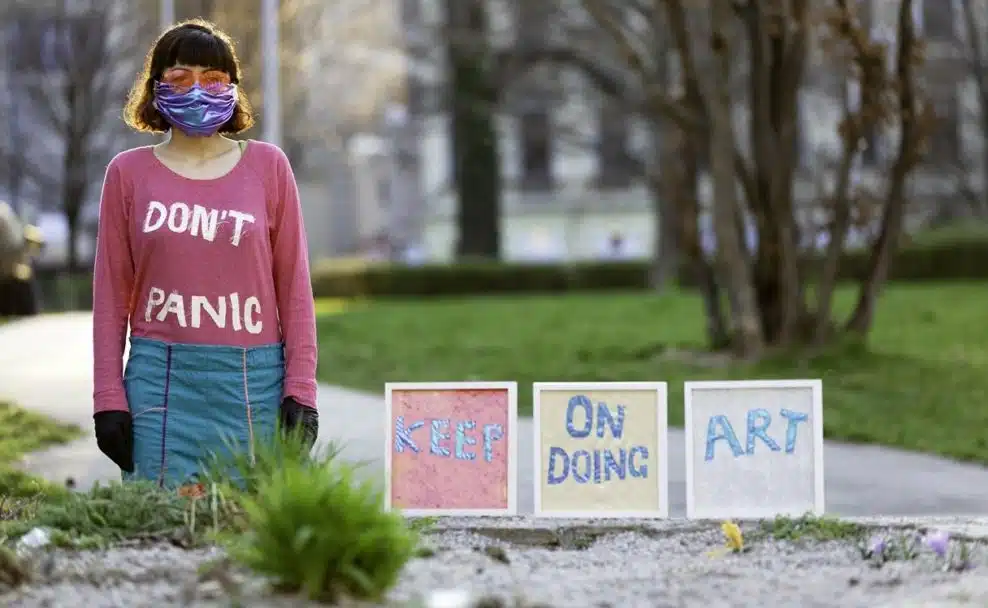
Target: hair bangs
{"x": 194, "y": 47}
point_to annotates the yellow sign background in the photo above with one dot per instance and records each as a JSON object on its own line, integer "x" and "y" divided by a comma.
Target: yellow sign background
{"x": 640, "y": 429}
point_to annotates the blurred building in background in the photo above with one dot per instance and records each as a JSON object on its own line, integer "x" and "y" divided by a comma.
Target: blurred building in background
{"x": 365, "y": 123}
{"x": 570, "y": 158}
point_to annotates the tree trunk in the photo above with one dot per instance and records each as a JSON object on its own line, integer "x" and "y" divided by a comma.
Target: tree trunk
{"x": 837, "y": 230}
{"x": 665, "y": 252}
{"x": 676, "y": 186}
{"x": 476, "y": 159}
{"x": 75, "y": 177}
{"x": 746, "y": 339}
{"x": 777, "y": 43}
{"x": 894, "y": 211}
{"x": 665, "y": 183}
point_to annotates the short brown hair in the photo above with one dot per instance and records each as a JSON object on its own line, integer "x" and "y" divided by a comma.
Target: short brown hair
{"x": 194, "y": 43}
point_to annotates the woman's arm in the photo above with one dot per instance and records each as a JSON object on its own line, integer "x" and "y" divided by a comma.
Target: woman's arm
{"x": 113, "y": 280}
{"x": 293, "y": 288}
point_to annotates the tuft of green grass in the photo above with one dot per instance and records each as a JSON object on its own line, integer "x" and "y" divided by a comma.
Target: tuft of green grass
{"x": 810, "y": 527}
{"x": 309, "y": 524}
{"x": 313, "y": 527}
{"x": 118, "y": 512}
{"x": 917, "y": 384}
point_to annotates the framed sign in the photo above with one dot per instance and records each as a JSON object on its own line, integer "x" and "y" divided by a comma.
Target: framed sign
{"x": 451, "y": 448}
{"x": 600, "y": 449}
{"x": 754, "y": 448}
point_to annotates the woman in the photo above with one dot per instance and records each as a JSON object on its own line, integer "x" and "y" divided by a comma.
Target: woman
{"x": 201, "y": 249}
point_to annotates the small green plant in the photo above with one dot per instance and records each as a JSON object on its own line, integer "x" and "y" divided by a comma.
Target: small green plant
{"x": 811, "y": 527}
{"x": 422, "y": 524}
{"x": 17, "y": 509}
{"x": 115, "y": 512}
{"x": 314, "y": 528}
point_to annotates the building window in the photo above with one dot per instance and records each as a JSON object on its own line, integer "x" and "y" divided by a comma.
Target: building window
{"x": 937, "y": 20}
{"x": 615, "y": 164}
{"x": 536, "y": 150}
{"x": 870, "y": 145}
{"x": 416, "y": 95}
{"x": 944, "y": 144}
{"x": 702, "y": 154}
{"x": 411, "y": 11}
{"x": 384, "y": 194}
{"x": 864, "y": 14}
{"x": 424, "y": 97}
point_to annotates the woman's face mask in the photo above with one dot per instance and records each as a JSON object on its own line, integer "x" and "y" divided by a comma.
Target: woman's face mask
{"x": 196, "y": 103}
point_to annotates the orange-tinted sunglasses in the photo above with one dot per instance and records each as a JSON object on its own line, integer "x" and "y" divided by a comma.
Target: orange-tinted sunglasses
{"x": 182, "y": 80}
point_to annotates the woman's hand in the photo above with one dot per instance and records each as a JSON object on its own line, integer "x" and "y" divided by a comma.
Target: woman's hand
{"x": 115, "y": 437}
{"x": 297, "y": 418}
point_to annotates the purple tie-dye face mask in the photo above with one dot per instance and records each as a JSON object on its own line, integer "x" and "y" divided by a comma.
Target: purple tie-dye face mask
{"x": 196, "y": 111}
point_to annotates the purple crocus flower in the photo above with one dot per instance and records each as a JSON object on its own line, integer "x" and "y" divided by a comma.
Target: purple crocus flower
{"x": 876, "y": 547}
{"x": 938, "y": 542}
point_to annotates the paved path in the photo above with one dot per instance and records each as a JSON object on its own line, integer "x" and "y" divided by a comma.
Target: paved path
{"x": 45, "y": 366}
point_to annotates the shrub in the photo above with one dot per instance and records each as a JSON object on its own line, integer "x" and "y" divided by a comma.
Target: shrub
{"x": 316, "y": 529}
{"x": 961, "y": 260}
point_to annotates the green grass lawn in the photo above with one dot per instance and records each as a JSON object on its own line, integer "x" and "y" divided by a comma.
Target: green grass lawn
{"x": 23, "y": 432}
{"x": 922, "y": 384}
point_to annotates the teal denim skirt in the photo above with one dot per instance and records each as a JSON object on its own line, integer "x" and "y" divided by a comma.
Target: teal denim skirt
{"x": 192, "y": 404}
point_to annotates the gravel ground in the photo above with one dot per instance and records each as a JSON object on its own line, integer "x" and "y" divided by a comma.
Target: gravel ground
{"x": 653, "y": 565}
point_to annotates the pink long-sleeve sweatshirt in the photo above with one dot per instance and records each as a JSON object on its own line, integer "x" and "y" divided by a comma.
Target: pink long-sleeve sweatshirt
{"x": 220, "y": 262}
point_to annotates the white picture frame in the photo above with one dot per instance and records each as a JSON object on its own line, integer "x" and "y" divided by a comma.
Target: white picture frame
{"x": 512, "y": 431}
{"x": 819, "y": 498}
{"x": 660, "y": 390}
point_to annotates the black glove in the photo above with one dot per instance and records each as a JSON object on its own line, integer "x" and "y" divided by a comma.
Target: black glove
{"x": 297, "y": 418}
{"x": 115, "y": 437}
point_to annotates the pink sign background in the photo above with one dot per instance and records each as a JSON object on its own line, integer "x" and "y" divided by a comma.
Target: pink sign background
{"x": 424, "y": 480}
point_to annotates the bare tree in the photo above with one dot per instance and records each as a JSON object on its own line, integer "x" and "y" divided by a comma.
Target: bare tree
{"x": 772, "y": 41}
{"x": 73, "y": 65}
